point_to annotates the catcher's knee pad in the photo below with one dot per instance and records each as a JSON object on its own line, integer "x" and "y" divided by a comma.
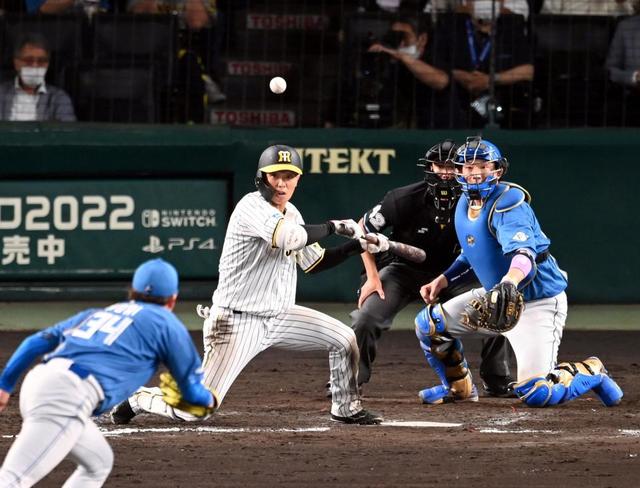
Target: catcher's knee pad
{"x": 569, "y": 381}
{"x": 430, "y": 321}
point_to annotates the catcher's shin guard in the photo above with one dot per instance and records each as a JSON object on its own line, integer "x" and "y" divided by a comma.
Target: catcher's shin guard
{"x": 569, "y": 381}
{"x": 446, "y": 356}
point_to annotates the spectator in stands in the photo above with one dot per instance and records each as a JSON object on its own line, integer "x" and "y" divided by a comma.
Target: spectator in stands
{"x": 197, "y": 83}
{"x": 623, "y": 63}
{"x": 518, "y": 7}
{"x": 587, "y": 7}
{"x": 419, "y": 85}
{"x": 27, "y": 97}
{"x": 54, "y": 7}
{"x": 514, "y": 70}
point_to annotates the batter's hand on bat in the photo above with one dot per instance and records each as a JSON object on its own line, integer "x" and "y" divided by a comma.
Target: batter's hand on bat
{"x": 430, "y": 291}
{"x": 370, "y": 287}
{"x": 375, "y": 243}
{"x": 4, "y": 399}
{"x": 348, "y": 228}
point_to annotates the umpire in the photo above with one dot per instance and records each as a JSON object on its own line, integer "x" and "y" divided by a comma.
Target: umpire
{"x": 420, "y": 214}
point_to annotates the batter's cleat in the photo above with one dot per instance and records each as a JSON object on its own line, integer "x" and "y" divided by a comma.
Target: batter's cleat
{"x": 363, "y": 417}
{"x": 122, "y": 413}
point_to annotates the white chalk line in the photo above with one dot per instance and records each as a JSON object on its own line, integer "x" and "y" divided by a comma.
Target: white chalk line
{"x": 226, "y": 430}
{"x": 493, "y": 430}
{"x": 418, "y": 423}
{"x": 204, "y": 429}
{"x": 631, "y": 432}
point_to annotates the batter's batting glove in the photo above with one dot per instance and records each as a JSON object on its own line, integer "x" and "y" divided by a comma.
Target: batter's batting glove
{"x": 375, "y": 243}
{"x": 172, "y": 396}
{"x": 498, "y": 310}
{"x": 347, "y": 228}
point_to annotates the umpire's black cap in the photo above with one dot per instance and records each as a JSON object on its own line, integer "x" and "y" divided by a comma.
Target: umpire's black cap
{"x": 279, "y": 158}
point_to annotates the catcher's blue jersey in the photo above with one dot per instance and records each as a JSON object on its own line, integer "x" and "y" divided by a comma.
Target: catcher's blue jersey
{"x": 515, "y": 227}
{"x": 121, "y": 346}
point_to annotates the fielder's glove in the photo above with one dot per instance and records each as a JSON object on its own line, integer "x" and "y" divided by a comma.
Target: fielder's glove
{"x": 347, "y": 228}
{"x": 375, "y": 243}
{"x": 498, "y": 310}
{"x": 172, "y": 396}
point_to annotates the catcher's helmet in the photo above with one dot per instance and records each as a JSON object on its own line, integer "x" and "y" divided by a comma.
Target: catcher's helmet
{"x": 276, "y": 158}
{"x": 478, "y": 149}
{"x": 444, "y": 191}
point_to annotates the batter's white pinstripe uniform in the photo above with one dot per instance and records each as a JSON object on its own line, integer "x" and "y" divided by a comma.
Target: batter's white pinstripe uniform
{"x": 254, "y": 309}
{"x": 254, "y": 306}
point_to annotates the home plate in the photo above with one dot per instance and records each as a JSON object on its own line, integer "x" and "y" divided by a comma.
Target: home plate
{"x": 418, "y": 423}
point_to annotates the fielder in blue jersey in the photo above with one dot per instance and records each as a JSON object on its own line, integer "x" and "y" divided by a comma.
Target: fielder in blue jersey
{"x": 503, "y": 243}
{"x": 92, "y": 361}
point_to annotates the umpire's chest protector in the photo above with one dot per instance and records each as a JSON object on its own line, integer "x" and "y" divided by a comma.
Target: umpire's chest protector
{"x": 480, "y": 247}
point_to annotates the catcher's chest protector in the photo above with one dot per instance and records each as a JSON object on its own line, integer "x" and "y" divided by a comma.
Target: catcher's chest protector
{"x": 479, "y": 246}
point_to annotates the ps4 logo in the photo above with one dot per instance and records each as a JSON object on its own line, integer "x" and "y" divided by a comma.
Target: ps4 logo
{"x": 156, "y": 246}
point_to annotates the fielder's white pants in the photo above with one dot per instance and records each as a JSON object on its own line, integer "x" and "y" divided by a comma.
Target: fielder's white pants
{"x": 535, "y": 339}
{"x": 56, "y": 407}
{"x": 231, "y": 340}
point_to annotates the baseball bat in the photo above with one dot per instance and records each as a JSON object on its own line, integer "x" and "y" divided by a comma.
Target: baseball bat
{"x": 406, "y": 251}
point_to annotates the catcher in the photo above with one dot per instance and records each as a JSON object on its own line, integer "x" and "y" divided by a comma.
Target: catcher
{"x": 503, "y": 243}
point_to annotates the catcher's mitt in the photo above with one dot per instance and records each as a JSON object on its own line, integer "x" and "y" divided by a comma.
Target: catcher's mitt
{"x": 498, "y": 310}
{"x": 172, "y": 396}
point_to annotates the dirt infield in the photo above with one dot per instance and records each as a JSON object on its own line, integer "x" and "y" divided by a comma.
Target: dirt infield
{"x": 273, "y": 430}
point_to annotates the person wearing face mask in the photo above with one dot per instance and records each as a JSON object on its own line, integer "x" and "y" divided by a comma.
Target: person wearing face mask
{"x": 518, "y": 7}
{"x": 473, "y": 47}
{"x": 419, "y": 83}
{"x": 28, "y": 97}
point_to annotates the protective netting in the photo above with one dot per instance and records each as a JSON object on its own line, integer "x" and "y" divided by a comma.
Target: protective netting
{"x": 348, "y": 63}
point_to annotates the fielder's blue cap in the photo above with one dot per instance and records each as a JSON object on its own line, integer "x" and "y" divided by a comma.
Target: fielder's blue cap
{"x": 156, "y": 278}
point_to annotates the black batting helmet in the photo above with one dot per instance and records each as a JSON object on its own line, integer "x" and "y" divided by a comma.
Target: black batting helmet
{"x": 276, "y": 158}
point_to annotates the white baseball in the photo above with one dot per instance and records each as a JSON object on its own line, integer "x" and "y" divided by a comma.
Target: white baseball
{"x": 277, "y": 85}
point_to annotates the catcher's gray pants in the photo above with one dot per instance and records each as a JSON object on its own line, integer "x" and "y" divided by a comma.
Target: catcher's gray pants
{"x": 401, "y": 285}
{"x": 56, "y": 407}
{"x": 535, "y": 339}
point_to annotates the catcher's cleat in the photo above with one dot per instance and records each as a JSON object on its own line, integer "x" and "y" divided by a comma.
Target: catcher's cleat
{"x": 122, "y": 413}
{"x": 363, "y": 417}
{"x": 608, "y": 391}
{"x": 438, "y": 395}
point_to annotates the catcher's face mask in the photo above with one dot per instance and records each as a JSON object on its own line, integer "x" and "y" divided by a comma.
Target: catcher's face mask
{"x": 479, "y": 166}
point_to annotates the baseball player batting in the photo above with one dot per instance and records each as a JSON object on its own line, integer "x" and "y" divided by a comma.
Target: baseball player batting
{"x": 101, "y": 356}
{"x": 253, "y": 308}
{"x": 522, "y": 295}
